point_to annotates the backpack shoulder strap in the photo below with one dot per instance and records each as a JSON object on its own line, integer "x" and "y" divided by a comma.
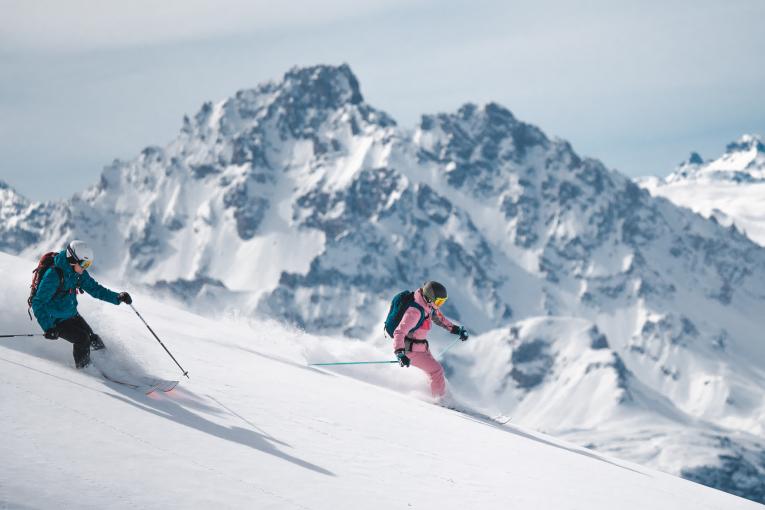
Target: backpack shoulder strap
{"x": 60, "y": 273}
{"x": 423, "y": 315}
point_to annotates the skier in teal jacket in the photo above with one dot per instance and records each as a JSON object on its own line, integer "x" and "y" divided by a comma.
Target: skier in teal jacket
{"x": 55, "y": 301}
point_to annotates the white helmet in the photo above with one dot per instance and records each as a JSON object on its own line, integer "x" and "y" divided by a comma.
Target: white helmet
{"x": 79, "y": 252}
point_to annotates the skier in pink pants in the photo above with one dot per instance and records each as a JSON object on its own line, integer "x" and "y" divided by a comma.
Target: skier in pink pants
{"x": 410, "y": 342}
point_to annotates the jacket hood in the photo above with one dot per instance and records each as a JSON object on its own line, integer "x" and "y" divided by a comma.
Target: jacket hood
{"x": 61, "y": 262}
{"x": 419, "y": 298}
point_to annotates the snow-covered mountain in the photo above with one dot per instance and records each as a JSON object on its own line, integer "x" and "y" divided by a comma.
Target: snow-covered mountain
{"x": 602, "y": 313}
{"x": 24, "y": 223}
{"x": 254, "y": 427}
{"x": 729, "y": 189}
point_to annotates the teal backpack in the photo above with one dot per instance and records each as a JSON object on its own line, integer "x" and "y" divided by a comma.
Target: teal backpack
{"x": 400, "y": 304}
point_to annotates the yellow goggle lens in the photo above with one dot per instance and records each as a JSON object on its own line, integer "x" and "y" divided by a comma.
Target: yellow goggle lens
{"x": 439, "y": 301}
{"x": 85, "y": 264}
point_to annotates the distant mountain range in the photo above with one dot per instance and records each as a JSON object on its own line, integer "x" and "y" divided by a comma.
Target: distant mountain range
{"x": 729, "y": 189}
{"x": 601, "y": 313}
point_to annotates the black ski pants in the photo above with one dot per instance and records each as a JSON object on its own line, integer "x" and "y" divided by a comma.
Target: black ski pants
{"x": 79, "y": 333}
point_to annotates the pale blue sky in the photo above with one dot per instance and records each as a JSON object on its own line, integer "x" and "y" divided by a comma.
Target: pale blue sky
{"x": 636, "y": 84}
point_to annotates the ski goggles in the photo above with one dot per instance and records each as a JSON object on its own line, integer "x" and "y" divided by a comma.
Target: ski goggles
{"x": 439, "y": 301}
{"x": 74, "y": 259}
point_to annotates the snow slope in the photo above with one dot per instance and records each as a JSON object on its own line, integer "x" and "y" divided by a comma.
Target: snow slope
{"x": 255, "y": 427}
{"x": 730, "y": 189}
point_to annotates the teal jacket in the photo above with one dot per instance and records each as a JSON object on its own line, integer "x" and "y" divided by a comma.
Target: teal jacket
{"x": 52, "y": 305}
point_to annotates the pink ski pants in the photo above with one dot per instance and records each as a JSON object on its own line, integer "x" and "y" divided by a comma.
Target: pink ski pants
{"x": 422, "y": 359}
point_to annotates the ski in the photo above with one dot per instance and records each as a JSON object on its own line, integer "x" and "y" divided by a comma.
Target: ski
{"x": 146, "y": 384}
{"x": 499, "y": 419}
{"x": 164, "y": 385}
{"x": 150, "y": 386}
{"x": 145, "y": 388}
{"x": 502, "y": 419}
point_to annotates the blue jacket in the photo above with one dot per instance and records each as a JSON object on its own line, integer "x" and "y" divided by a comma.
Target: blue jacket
{"x": 51, "y": 305}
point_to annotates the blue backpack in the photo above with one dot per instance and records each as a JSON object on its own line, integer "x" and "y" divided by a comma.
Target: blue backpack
{"x": 400, "y": 304}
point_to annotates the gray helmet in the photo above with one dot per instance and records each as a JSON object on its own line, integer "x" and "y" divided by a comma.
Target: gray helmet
{"x": 433, "y": 290}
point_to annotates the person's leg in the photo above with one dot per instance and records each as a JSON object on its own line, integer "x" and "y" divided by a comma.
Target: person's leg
{"x": 427, "y": 363}
{"x": 72, "y": 330}
{"x": 95, "y": 340}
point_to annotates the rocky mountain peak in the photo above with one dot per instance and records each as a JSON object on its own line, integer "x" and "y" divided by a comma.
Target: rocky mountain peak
{"x": 686, "y": 169}
{"x": 743, "y": 161}
{"x": 474, "y": 143}
{"x": 10, "y": 195}
{"x": 323, "y": 86}
{"x": 745, "y": 144}
{"x": 473, "y": 122}
{"x": 298, "y": 107}
{"x": 694, "y": 159}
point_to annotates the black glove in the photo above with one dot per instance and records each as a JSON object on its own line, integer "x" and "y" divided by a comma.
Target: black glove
{"x": 403, "y": 360}
{"x": 461, "y": 331}
{"x": 51, "y": 334}
{"x": 125, "y": 298}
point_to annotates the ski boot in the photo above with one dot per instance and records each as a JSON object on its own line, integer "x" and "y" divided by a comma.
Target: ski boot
{"x": 96, "y": 343}
{"x": 82, "y": 361}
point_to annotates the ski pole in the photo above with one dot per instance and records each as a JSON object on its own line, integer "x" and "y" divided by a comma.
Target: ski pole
{"x": 349, "y": 363}
{"x": 25, "y": 334}
{"x": 185, "y": 372}
{"x": 440, "y": 356}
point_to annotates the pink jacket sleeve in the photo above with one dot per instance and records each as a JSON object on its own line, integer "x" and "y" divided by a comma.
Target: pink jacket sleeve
{"x": 408, "y": 321}
{"x": 441, "y": 320}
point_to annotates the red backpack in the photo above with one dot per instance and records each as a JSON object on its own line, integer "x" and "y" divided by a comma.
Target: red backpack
{"x": 46, "y": 262}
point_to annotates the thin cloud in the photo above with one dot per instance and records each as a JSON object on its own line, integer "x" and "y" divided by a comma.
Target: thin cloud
{"x": 77, "y": 25}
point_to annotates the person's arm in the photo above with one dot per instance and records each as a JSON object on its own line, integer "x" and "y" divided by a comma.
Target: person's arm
{"x": 408, "y": 321}
{"x": 98, "y": 291}
{"x": 441, "y": 320}
{"x": 45, "y": 291}
{"x": 452, "y": 328}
